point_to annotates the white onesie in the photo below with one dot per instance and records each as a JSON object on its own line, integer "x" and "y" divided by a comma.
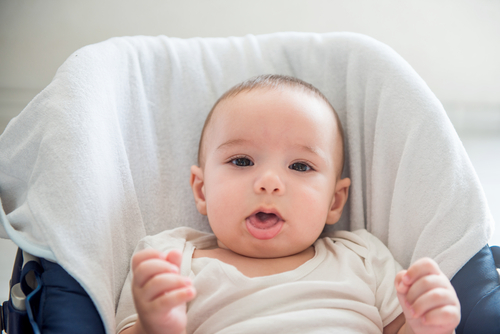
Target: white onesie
{"x": 348, "y": 286}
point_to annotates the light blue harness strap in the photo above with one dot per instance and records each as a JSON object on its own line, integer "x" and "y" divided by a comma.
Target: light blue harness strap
{"x": 33, "y": 297}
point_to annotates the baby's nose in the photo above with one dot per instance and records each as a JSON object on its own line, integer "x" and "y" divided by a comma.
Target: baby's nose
{"x": 270, "y": 183}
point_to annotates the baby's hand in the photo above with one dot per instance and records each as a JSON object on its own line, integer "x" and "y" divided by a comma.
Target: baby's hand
{"x": 428, "y": 299}
{"x": 160, "y": 292}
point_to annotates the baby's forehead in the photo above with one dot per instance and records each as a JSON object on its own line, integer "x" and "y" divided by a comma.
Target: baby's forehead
{"x": 270, "y": 107}
{"x": 229, "y": 105}
{"x": 273, "y": 94}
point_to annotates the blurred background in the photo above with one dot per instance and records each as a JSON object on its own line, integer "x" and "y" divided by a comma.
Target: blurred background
{"x": 453, "y": 44}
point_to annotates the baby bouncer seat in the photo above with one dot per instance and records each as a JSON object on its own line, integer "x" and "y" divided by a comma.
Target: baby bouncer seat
{"x": 100, "y": 159}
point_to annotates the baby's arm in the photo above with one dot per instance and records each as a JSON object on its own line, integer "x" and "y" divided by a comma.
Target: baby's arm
{"x": 160, "y": 293}
{"x": 430, "y": 304}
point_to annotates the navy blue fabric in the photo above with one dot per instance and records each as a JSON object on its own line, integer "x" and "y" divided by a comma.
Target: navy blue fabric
{"x": 495, "y": 250}
{"x": 15, "y": 321}
{"x": 478, "y": 289}
{"x": 60, "y": 306}
{"x": 65, "y": 307}
{"x": 32, "y": 295}
{"x": 30, "y": 266}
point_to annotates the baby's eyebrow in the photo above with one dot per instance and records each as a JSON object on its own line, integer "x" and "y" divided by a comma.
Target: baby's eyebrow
{"x": 310, "y": 149}
{"x": 314, "y": 150}
{"x": 232, "y": 142}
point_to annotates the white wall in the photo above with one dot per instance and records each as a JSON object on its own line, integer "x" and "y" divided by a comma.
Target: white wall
{"x": 453, "y": 44}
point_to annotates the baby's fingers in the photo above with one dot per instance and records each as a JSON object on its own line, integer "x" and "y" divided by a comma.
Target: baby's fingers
{"x": 175, "y": 257}
{"x": 423, "y": 267}
{"x": 145, "y": 255}
{"x": 175, "y": 297}
{"x": 447, "y": 317}
{"x": 426, "y": 284}
{"x": 146, "y": 270}
{"x": 401, "y": 288}
{"x": 435, "y": 299}
{"x": 164, "y": 284}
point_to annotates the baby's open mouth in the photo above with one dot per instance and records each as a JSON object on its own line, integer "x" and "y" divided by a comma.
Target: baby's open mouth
{"x": 265, "y": 220}
{"x": 264, "y": 225}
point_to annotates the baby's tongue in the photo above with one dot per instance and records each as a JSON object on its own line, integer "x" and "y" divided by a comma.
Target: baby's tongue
{"x": 264, "y": 220}
{"x": 264, "y": 225}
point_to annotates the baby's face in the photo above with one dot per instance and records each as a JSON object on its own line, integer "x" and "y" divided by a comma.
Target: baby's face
{"x": 269, "y": 181}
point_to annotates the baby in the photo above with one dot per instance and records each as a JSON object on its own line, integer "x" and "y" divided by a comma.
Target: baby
{"x": 269, "y": 179}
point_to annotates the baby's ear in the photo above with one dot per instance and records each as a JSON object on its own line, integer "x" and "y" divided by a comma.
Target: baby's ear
{"x": 339, "y": 200}
{"x": 198, "y": 187}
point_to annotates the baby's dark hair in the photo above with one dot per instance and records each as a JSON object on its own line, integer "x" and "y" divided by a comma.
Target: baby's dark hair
{"x": 270, "y": 81}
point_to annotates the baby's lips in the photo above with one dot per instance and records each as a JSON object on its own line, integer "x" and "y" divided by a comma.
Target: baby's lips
{"x": 263, "y": 230}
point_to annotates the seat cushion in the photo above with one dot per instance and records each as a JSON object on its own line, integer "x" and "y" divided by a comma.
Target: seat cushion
{"x": 478, "y": 289}
{"x": 65, "y": 307}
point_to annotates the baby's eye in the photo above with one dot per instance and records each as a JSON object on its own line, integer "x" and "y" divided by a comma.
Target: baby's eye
{"x": 242, "y": 162}
{"x": 300, "y": 167}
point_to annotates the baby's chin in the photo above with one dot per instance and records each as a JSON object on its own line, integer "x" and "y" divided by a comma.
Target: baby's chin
{"x": 261, "y": 252}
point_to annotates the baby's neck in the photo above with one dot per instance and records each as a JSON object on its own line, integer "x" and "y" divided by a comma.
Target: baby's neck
{"x": 257, "y": 267}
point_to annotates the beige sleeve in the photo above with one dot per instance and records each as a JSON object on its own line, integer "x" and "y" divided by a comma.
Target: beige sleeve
{"x": 385, "y": 268}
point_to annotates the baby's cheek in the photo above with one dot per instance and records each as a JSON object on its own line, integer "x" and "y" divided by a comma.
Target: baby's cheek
{"x": 314, "y": 204}
{"x": 224, "y": 202}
